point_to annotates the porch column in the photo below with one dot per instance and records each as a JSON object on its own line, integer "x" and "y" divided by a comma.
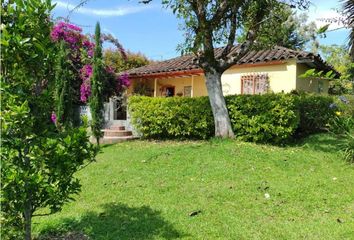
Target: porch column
{"x": 192, "y": 86}
{"x": 155, "y": 87}
{"x": 111, "y": 109}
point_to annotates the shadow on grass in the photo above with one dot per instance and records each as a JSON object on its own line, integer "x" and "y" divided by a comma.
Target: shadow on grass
{"x": 322, "y": 142}
{"x": 116, "y": 221}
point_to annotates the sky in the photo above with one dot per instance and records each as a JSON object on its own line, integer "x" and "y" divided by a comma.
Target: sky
{"x": 154, "y": 30}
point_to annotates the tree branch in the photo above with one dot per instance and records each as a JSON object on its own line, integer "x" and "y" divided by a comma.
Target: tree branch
{"x": 220, "y": 12}
{"x": 232, "y": 35}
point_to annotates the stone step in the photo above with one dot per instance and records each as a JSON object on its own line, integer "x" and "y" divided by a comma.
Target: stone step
{"x": 117, "y": 127}
{"x": 111, "y": 140}
{"x": 116, "y": 133}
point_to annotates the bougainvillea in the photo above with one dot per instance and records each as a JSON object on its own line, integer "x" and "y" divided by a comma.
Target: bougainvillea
{"x": 85, "y": 88}
{"x": 123, "y": 80}
{"x": 81, "y": 54}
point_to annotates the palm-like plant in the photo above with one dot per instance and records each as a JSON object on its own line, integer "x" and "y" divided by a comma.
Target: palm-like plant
{"x": 348, "y": 6}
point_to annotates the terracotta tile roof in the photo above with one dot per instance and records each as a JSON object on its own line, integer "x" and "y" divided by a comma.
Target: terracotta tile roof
{"x": 187, "y": 62}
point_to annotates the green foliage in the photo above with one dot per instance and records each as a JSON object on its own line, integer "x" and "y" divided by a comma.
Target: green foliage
{"x": 338, "y": 57}
{"x": 172, "y": 117}
{"x": 286, "y": 28}
{"x": 115, "y": 59}
{"x": 343, "y": 125}
{"x": 38, "y": 162}
{"x": 259, "y": 118}
{"x": 63, "y": 90}
{"x": 314, "y": 73}
{"x": 348, "y": 147}
{"x": 269, "y": 118}
{"x": 315, "y": 113}
{"x": 37, "y": 169}
{"x": 96, "y": 98}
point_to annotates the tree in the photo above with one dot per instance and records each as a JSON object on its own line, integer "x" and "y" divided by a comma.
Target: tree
{"x": 63, "y": 90}
{"x": 348, "y": 7}
{"x": 339, "y": 58}
{"x": 96, "y": 98}
{"x": 116, "y": 60}
{"x": 38, "y": 161}
{"x": 286, "y": 28}
{"x": 213, "y": 22}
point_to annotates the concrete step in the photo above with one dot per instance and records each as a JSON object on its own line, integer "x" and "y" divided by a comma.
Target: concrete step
{"x": 111, "y": 140}
{"x": 117, "y": 127}
{"x": 116, "y": 133}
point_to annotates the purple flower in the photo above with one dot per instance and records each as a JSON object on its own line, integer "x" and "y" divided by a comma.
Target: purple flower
{"x": 53, "y": 117}
{"x": 85, "y": 92}
{"x": 85, "y": 88}
{"x": 124, "y": 80}
{"x": 332, "y": 106}
{"x": 343, "y": 99}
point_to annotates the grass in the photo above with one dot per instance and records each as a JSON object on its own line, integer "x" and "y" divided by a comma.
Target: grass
{"x": 148, "y": 190}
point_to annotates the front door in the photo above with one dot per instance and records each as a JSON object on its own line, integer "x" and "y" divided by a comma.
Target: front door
{"x": 170, "y": 91}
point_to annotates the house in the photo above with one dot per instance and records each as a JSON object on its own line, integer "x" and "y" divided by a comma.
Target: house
{"x": 275, "y": 70}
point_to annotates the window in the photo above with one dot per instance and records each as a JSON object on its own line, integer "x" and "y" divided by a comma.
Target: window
{"x": 254, "y": 83}
{"x": 320, "y": 86}
{"x": 187, "y": 91}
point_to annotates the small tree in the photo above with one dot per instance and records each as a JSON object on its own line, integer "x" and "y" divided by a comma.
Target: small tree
{"x": 38, "y": 162}
{"x": 96, "y": 99}
{"x": 63, "y": 89}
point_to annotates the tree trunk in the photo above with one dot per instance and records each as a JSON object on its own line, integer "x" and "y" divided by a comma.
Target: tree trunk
{"x": 28, "y": 220}
{"x": 218, "y": 105}
{"x": 27, "y": 213}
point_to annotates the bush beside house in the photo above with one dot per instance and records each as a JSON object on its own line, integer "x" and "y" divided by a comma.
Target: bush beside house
{"x": 273, "y": 118}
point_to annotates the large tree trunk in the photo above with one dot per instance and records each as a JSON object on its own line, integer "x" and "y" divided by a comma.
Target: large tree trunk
{"x": 218, "y": 105}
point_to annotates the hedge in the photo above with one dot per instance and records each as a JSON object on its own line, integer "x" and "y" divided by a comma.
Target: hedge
{"x": 315, "y": 112}
{"x": 272, "y": 118}
{"x": 263, "y": 118}
{"x": 173, "y": 117}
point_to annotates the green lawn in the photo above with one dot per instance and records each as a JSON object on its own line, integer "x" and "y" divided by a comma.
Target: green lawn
{"x": 147, "y": 190}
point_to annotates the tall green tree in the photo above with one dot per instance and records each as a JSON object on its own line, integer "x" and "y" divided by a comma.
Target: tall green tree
{"x": 96, "y": 98}
{"x": 115, "y": 59}
{"x": 286, "y": 28}
{"x": 339, "y": 58}
{"x": 63, "y": 90}
{"x": 38, "y": 163}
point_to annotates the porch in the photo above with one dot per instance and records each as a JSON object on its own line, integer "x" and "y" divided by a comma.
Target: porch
{"x": 186, "y": 84}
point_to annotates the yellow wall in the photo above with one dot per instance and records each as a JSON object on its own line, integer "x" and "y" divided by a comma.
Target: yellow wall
{"x": 282, "y": 77}
{"x": 307, "y": 84}
{"x": 179, "y": 83}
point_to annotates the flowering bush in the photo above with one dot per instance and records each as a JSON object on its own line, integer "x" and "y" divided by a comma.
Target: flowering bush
{"x": 81, "y": 53}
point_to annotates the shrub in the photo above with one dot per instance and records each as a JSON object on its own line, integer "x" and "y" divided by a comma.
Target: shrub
{"x": 172, "y": 117}
{"x": 316, "y": 113}
{"x": 263, "y": 118}
{"x": 343, "y": 125}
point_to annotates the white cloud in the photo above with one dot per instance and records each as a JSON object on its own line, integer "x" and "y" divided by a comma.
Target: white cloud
{"x": 113, "y": 12}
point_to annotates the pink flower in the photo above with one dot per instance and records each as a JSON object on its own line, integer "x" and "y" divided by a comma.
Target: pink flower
{"x": 85, "y": 88}
{"x": 53, "y": 117}
{"x": 124, "y": 80}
